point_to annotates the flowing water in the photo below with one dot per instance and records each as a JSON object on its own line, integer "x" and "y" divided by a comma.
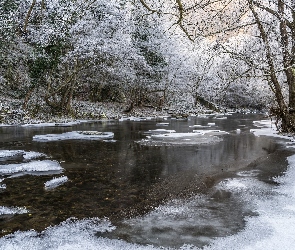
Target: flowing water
{"x": 164, "y": 194}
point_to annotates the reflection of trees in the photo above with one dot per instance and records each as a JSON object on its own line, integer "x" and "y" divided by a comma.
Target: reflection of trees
{"x": 232, "y": 152}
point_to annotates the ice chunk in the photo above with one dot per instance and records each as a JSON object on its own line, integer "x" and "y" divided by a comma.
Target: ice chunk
{"x": 32, "y": 155}
{"x": 75, "y": 135}
{"x": 199, "y": 126}
{"x": 210, "y": 132}
{"x": 52, "y": 124}
{"x": 2, "y": 186}
{"x": 179, "y": 139}
{"x": 162, "y": 124}
{"x": 28, "y": 155}
{"x": 160, "y": 131}
{"x": 30, "y": 167}
{"x": 10, "y": 153}
{"x": 55, "y": 182}
{"x": 12, "y": 210}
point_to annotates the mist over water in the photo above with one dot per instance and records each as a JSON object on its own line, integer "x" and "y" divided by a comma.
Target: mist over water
{"x": 129, "y": 192}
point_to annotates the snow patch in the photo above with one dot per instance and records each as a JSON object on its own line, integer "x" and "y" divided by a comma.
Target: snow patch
{"x": 74, "y": 135}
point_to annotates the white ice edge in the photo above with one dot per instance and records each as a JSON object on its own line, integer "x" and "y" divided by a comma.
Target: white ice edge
{"x": 74, "y": 135}
{"x": 55, "y": 182}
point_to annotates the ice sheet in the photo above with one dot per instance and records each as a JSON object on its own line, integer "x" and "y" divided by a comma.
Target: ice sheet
{"x": 30, "y": 167}
{"x": 74, "y": 135}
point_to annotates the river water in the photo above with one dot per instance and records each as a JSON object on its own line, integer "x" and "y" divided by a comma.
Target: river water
{"x": 154, "y": 193}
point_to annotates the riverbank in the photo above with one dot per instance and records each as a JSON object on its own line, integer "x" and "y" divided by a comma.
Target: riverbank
{"x": 12, "y": 113}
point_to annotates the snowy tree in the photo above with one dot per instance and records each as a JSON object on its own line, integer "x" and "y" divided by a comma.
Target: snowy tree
{"x": 268, "y": 27}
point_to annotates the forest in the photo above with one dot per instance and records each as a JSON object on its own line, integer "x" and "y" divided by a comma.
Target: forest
{"x": 232, "y": 54}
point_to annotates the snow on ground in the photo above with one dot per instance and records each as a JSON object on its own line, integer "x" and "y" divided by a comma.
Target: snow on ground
{"x": 33, "y": 167}
{"x": 55, "y": 182}
{"x": 74, "y": 135}
{"x": 12, "y": 210}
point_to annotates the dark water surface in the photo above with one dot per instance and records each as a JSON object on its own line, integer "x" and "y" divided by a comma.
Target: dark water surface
{"x": 124, "y": 180}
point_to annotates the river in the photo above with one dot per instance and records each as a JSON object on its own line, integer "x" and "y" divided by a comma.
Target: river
{"x": 147, "y": 192}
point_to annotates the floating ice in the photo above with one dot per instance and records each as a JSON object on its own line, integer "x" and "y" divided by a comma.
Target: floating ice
{"x": 199, "y": 126}
{"x": 2, "y": 186}
{"x": 160, "y": 131}
{"x": 28, "y": 155}
{"x": 10, "y": 153}
{"x": 32, "y": 155}
{"x": 210, "y": 132}
{"x": 30, "y": 167}
{"x": 55, "y": 182}
{"x": 75, "y": 135}
{"x": 171, "y": 139}
{"x": 250, "y": 173}
{"x": 12, "y": 210}
{"x": 162, "y": 124}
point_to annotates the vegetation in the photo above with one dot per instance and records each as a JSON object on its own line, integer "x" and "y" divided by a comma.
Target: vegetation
{"x": 150, "y": 53}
